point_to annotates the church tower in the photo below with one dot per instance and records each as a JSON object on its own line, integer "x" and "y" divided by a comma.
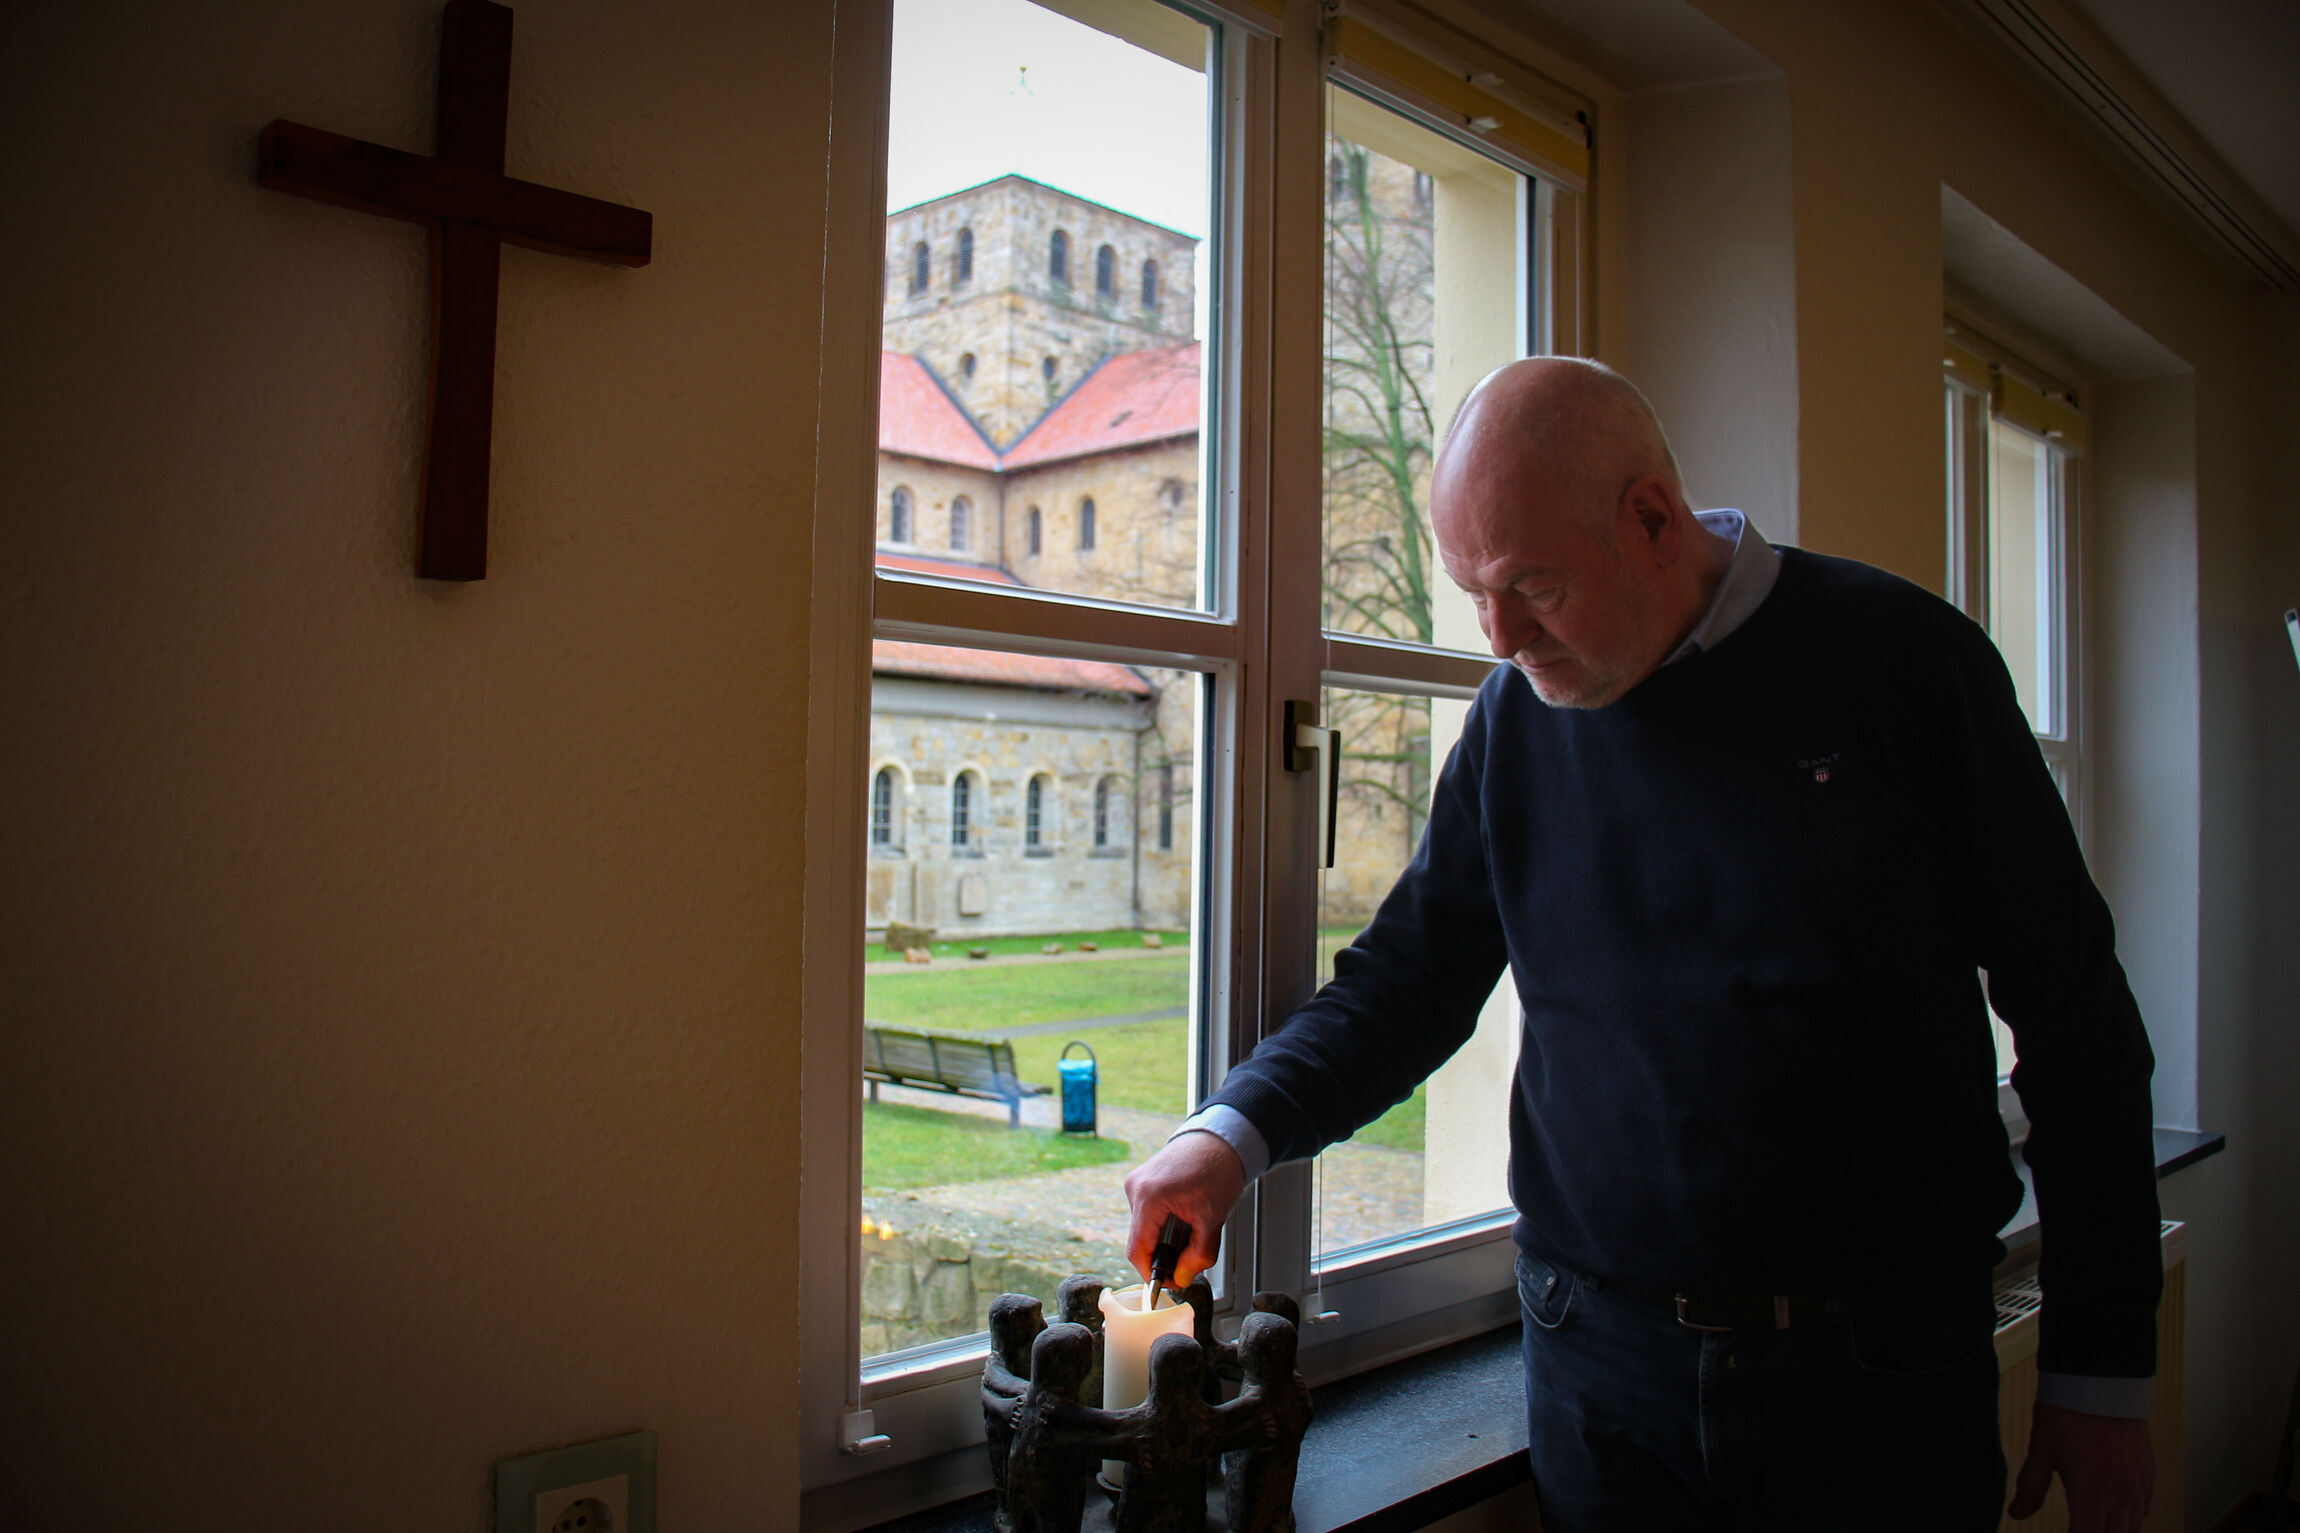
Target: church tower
{"x": 1012, "y": 291}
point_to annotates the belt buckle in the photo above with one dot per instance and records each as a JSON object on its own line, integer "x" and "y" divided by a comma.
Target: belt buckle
{"x": 1685, "y": 1318}
{"x": 1781, "y": 1315}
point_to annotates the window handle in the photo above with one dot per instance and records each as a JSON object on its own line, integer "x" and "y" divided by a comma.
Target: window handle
{"x": 1309, "y": 744}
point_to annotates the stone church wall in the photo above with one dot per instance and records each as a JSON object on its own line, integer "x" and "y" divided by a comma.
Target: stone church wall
{"x": 929, "y": 732}
{"x": 1010, "y": 315}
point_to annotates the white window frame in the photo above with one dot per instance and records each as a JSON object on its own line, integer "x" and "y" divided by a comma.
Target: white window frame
{"x": 908, "y": 1433}
{"x": 1975, "y": 367}
{"x": 1977, "y": 372}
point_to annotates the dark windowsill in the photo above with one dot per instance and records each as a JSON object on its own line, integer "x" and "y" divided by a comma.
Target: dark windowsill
{"x": 1401, "y": 1446}
{"x": 2176, "y": 1150}
{"x": 1038, "y": 851}
{"x": 1108, "y": 853}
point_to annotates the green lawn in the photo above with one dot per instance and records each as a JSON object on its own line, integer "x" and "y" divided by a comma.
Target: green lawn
{"x": 987, "y": 999}
{"x": 1139, "y": 1065}
{"x": 920, "y": 1147}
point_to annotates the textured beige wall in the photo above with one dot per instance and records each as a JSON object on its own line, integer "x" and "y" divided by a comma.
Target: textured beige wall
{"x": 400, "y": 977}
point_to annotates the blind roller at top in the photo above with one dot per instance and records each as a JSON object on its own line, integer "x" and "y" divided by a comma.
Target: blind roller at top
{"x": 1477, "y": 104}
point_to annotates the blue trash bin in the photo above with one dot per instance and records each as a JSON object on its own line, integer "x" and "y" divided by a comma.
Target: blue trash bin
{"x": 1078, "y": 1085}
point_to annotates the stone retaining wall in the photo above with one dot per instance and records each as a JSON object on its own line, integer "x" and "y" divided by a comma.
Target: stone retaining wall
{"x": 930, "y": 1273}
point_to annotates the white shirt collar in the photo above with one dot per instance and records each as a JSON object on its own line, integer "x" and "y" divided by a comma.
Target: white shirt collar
{"x": 1747, "y": 582}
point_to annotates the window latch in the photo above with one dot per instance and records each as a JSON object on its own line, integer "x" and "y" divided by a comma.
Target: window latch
{"x": 859, "y": 1434}
{"x": 1308, "y": 746}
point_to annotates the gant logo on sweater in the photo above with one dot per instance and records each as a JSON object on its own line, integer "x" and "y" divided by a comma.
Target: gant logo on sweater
{"x": 1822, "y": 767}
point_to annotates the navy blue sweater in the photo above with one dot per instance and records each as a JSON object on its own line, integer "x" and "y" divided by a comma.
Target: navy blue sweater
{"x": 1745, "y": 908}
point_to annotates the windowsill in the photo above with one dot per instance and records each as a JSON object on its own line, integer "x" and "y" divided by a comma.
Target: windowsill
{"x": 1403, "y": 1445}
{"x": 1038, "y": 851}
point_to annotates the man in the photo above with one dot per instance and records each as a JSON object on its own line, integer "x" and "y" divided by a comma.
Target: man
{"x": 1745, "y": 824}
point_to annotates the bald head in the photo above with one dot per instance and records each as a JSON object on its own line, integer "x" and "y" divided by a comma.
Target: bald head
{"x": 1558, "y": 511}
{"x": 1576, "y": 426}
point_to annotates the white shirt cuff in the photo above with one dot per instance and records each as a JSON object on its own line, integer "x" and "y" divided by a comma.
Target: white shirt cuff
{"x": 2130, "y": 1398}
{"x": 1234, "y": 1129}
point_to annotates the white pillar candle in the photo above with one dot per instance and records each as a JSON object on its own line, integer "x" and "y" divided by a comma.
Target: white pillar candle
{"x": 1128, "y": 1330}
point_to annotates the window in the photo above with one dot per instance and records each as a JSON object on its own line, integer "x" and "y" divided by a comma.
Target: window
{"x": 1105, "y": 273}
{"x": 1415, "y": 221}
{"x": 1126, "y": 674}
{"x": 2016, "y": 434}
{"x": 898, "y": 515}
{"x": 961, "y": 524}
{"x": 962, "y": 797}
{"x": 966, "y": 364}
{"x": 1034, "y": 815}
{"x": 920, "y": 268}
{"x": 962, "y": 270}
{"x": 886, "y": 811}
{"x": 1149, "y": 284}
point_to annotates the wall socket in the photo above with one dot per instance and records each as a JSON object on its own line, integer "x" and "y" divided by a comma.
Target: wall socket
{"x": 599, "y": 1487}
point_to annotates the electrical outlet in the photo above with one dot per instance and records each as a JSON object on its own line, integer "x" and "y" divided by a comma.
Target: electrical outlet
{"x": 600, "y": 1487}
{"x": 596, "y": 1506}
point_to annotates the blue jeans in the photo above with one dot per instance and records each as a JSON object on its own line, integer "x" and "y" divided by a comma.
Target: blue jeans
{"x": 1882, "y": 1417}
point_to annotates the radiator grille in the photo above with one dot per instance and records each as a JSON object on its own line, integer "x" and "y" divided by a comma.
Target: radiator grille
{"x": 2017, "y": 1299}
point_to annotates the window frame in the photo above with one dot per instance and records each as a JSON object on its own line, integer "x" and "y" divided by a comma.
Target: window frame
{"x": 1978, "y": 370}
{"x": 908, "y": 1434}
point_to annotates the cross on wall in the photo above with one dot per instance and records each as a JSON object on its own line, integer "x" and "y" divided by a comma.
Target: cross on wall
{"x": 471, "y": 208}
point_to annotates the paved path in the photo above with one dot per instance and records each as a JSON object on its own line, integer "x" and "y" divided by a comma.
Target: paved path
{"x": 1371, "y": 1192}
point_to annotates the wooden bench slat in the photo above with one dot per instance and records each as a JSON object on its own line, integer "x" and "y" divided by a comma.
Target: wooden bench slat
{"x": 964, "y": 1066}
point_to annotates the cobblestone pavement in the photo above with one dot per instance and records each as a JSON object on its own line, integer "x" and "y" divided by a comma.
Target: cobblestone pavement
{"x": 1370, "y": 1192}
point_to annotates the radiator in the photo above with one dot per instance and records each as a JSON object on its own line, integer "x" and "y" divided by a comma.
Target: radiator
{"x": 2017, "y": 1304}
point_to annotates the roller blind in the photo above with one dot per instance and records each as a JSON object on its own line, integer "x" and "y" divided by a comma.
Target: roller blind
{"x": 1497, "y": 108}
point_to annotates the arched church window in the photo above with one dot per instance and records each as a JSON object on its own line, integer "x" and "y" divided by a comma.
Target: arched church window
{"x": 1058, "y": 258}
{"x": 1105, "y": 273}
{"x": 1102, "y": 797}
{"x": 898, "y": 515}
{"x": 1048, "y": 368}
{"x": 1149, "y": 284}
{"x": 966, "y": 365}
{"x": 1034, "y": 814}
{"x": 962, "y": 811}
{"x": 962, "y": 271}
{"x": 886, "y": 810}
{"x": 921, "y": 267}
{"x": 961, "y": 524}
{"x": 1337, "y": 177}
{"x": 1034, "y": 527}
{"x": 1086, "y": 524}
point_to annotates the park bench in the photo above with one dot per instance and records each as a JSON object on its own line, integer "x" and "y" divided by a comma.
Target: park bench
{"x": 965, "y": 1064}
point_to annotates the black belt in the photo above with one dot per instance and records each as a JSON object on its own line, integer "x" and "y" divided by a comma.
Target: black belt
{"x": 1753, "y": 1312}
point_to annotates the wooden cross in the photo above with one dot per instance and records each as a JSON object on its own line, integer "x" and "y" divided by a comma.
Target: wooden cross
{"x": 471, "y": 207}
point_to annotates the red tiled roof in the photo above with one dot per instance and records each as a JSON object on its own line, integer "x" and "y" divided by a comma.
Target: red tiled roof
{"x": 949, "y": 569}
{"x": 916, "y": 418}
{"x": 997, "y": 667}
{"x": 1132, "y": 398}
